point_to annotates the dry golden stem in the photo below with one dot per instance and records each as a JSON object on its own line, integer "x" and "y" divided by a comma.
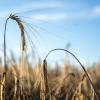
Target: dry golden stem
{"x": 44, "y": 83}
{"x": 3, "y": 85}
{"x": 63, "y": 81}
{"x": 15, "y": 72}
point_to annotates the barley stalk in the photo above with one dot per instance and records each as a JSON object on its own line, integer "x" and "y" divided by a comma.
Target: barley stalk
{"x": 63, "y": 80}
{"x": 4, "y": 81}
{"x": 14, "y": 70}
{"x": 21, "y": 26}
{"x": 45, "y": 92}
{"x": 23, "y": 43}
{"x": 86, "y": 73}
{"x": 3, "y": 85}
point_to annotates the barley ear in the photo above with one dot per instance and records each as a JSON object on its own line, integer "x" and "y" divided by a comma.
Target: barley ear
{"x": 45, "y": 92}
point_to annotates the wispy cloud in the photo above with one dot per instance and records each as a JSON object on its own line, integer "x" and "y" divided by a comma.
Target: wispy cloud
{"x": 46, "y": 5}
{"x": 27, "y": 7}
{"x": 55, "y": 11}
{"x": 50, "y": 16}
{"x": 34, "y": 6}
{"x": 71, "y": 11}
{"x": 39, "y": 5}
{"x": 96, "y": 11}
{"x": 61, "y": 16}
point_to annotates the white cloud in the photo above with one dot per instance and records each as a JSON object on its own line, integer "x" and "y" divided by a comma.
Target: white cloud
{"x": 56, "y": 17}
{"x": 27, "y": 7}
{"x": 37, "y": 5}
{"x": 68, "y": 11}
{"x": 33, "y": 6}
{"x": 50, "y": 16}
{"x": 96, "y": 11}
{"x": 45, "y": 5}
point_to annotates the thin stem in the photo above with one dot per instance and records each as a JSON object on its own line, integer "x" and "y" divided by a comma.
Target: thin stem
{"x": 5, "y": 65}
{"x": 79, "y": 63}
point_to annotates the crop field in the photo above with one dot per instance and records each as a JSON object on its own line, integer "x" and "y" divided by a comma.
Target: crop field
{"x": 22, "y": 81}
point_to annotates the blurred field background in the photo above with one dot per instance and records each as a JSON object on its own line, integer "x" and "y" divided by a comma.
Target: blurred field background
{"x": 67, "y": 83}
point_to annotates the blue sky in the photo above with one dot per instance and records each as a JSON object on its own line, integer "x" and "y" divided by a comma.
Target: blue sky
{"x": 56, "y": 23}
